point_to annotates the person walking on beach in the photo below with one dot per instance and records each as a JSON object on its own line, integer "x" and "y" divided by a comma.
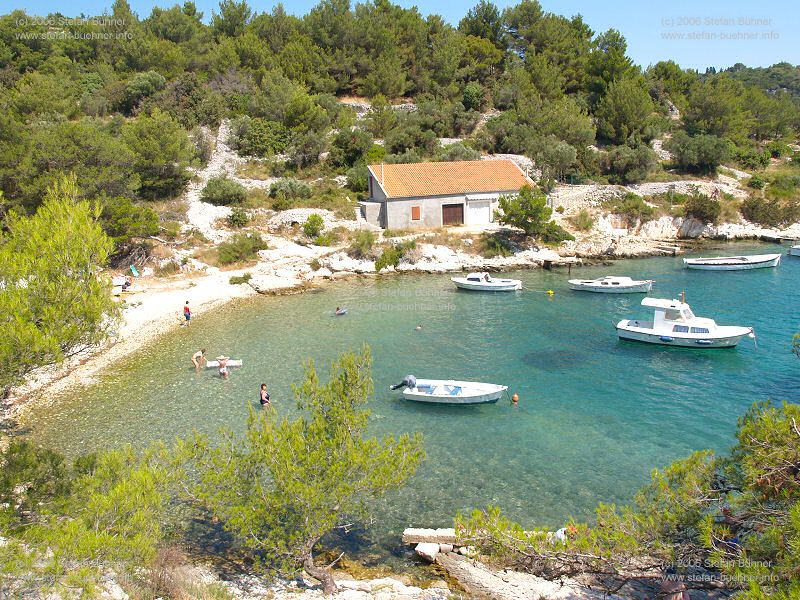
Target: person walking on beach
{"x": 199, "y": 358}
{"x": 187, "y": 313}
{"x": 264, "y": 395}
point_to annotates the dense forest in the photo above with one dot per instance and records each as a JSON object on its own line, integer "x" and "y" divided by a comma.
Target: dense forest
{"x": 127, "y": 103}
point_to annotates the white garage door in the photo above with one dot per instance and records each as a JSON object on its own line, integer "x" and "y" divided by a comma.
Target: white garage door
{"x": 480, "y": 212}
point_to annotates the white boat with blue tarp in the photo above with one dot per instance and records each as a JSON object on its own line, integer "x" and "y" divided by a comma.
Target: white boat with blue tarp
{"x": 447, "y": 391}
{"x": 674, "y": 324}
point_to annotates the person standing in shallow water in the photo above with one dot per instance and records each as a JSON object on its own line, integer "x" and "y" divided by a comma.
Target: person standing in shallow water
{"x": 263, "y": 395}
{"x": 187, "y": 313}
{"x": 198, "y": 358}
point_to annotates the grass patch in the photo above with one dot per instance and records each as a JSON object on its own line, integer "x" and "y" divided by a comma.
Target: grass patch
{"x": 583, "y": 221}
{"x": 492, "y": 245}
{"x": 240, "y": 279}
{"x": 256, "y": 169}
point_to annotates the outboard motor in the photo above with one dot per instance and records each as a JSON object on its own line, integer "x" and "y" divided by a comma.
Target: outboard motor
{"x": 409, "y": 381}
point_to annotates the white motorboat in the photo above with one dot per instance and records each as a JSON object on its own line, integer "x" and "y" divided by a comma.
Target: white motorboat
{"x": 733, "y": 263}
{"x": 795, "y": 250}
{"x": 674, "y": 324}
{"x": 611, "y": 284}
{"x": 483, "y": 282}
{"x": 441, "y": 391}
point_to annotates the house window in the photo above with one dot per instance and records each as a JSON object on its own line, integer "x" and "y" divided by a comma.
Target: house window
{"x": 416, "y": 213}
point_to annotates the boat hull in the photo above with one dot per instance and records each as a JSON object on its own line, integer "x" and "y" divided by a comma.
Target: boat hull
{"x": 498, "y": 285}
{"x": 442, "y": 392}
{"x": 685, "y": 341}
{"x": 698, "y": 264}
{"x": 641, "y": 288}
{"x": 794, "y": 250}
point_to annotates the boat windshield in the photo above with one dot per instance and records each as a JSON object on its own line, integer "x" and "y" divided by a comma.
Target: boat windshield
{"x": 687, "y": 313}
{"x": 672, "y": 314}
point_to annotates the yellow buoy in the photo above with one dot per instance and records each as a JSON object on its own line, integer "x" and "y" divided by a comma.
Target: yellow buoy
{"x": 550, "y": 292}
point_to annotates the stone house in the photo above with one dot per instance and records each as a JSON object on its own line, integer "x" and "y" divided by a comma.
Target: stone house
{"x": 435, "y": 194}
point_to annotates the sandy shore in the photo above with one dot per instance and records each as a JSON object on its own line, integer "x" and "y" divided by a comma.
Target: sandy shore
{"x": 154, "y": 308}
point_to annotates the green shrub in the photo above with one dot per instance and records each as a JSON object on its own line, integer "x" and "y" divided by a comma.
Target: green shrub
{"x": 315, "y": 264}
{"x": 325, "y": 239}
{"x": 493, "y": 245}
{"x": 700, "y": 154}
{"x": 240, "y": 248}
{"x": 238, "y": 217}
{"x": 770, "y": 212}
{"x": 457, "y": 151}
{"x": 756, "y": 182}
{"x": 362, "y": 243}
{"x": 357, "y": 178}
{"x": 290, "y": 188}
{"x": 239, "y": 279}
{"x": 752, "y": 158}
{"x": 632, "y": 207}
{"x": 474, "y": 96}
{"x": 624, "y": 164}
{"x": 257, "y": 137}
{"x": 702, "y": 207}
{"x": 560, "y": 210}
{"x": 223, "y": 191}
{"x": 778, "y": 149}
{"x": 583, "y": 221}
{"x": 313, "y": 225}
{"x": 392, "y": 255}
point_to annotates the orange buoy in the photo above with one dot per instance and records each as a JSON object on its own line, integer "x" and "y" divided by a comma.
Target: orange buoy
{"x": 515, "y": 398}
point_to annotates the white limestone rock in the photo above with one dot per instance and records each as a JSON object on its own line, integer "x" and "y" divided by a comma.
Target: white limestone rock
{"x": 427, "y": 550}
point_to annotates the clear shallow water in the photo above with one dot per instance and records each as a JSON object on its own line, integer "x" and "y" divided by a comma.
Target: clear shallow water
{"x": 595, "y": 416}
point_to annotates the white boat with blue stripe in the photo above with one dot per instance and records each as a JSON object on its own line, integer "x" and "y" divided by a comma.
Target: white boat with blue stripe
{"x": 447, "y": 391}
{"x": 733, "y": 263}
{"x": 674, "y": 324}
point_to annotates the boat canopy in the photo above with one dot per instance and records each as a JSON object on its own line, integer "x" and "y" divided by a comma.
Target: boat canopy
{"x": 663, "y": 303}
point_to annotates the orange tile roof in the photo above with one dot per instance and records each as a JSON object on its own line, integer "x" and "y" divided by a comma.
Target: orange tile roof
{"x": 449, "y": 178}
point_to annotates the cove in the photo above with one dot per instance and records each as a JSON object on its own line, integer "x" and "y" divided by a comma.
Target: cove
{"x": 595, "y": 416}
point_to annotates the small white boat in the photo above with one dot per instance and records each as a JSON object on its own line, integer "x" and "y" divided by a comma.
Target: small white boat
{"x": 611, "y": 284}
{"x": 483, "y": 282}
{"x": 439, "y": 391}
{"x": 733, "y": 263}
{"x": 213, "y": 364}
{"x": 674, "y": 324}
{"x": 795, "y": 250}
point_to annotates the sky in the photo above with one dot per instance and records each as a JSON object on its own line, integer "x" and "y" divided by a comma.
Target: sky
{"x": 694, "y": 33}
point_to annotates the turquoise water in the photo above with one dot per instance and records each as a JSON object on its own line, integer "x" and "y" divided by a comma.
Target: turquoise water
{"x": 595, "y": 416}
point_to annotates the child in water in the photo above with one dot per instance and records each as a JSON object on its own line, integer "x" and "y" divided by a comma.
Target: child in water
{"x": 264, "y": 395}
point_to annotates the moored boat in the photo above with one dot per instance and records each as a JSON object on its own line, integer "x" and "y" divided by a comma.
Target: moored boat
{"x": 795, "y": 250}
{"x": 733, "y": 263}
{"x": 674, "y": 324}
{"x": 446, "y": 391}
{"x": 611, "y": 284}
{"x": 483, "y": 282}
